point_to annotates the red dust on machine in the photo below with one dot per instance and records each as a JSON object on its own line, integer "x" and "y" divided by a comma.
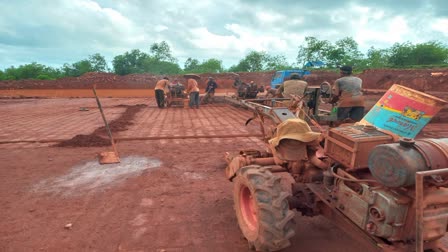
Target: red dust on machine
{"x": 390, "y": 191}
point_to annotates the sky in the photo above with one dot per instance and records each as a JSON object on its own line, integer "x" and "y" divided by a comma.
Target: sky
{"x": 54, "y": 32}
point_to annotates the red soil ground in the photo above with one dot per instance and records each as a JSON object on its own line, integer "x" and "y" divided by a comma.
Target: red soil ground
{"x": 169, "y": 194}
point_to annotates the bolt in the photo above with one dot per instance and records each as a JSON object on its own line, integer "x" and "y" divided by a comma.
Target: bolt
{"x": 371, "y": 227}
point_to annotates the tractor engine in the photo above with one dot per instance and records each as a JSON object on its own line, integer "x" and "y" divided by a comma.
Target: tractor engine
{"x": 374, "y": 182}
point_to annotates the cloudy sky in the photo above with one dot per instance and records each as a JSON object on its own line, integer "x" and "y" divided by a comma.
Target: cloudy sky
{"x": 53, "y": 32}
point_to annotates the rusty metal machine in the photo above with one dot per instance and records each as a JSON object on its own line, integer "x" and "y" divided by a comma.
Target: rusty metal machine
{"x": 390, "y": 193}
{"x": 176, "y": 95}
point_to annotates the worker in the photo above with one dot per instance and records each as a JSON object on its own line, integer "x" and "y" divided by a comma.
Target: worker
{"x": 210, "y": 90}
{"x": 237, "y": 82}
{"x": 252, "y": 90}
{"x": 294, "y": 140}
{"x": 270, "y": 92}
{"x": 161, "y": 85}
{"x": 193, "y": 92}
{"x": 293, "y": 87}
{"x": 348, "y": 96}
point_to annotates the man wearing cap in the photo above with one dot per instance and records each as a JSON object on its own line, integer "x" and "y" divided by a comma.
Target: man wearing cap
{"x": 210, "y": 90}
{"x": 347, "y": 93}
{"x": 295, "y": 141}
{"x": 293, "y": 87}
{"x": 159, "y": 90}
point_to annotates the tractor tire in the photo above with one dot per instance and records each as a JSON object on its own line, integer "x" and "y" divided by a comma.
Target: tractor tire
{"x": 262, "y": 209}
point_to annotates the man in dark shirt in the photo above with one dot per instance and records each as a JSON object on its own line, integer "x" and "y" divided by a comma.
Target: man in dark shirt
{"x": 210, "y": 90}
{"x": 347, "y": 91}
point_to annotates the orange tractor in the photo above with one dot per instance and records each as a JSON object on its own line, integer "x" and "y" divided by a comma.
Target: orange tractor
{"x": 390, "y": 191}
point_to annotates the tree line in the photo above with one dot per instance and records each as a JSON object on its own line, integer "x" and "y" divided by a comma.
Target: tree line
{"x": 159, "y": 60}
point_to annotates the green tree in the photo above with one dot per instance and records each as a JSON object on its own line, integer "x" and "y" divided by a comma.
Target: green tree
{"x": 207, "y": 66}
{"x": 191, "y": 65}
{"x": 30, "y": 71}
{"x": 377, "y": 58}
{"x": 253, "y": 62}
{"x": 277, "y": 62}
{"x": 344, "y": 52}
{"x": 402, "y": 54}
{"x": 260, "y": 61}
{"x": 98, "y": 63}
{"x": 211, "y": 66}
{"x": 130, "y": 62}
{"x": 94, "y": 63}
{"x": 430, "y": 53}
{"x": 313, "y": 50}
{"x": 155, "y": 66}
{"x": 162, "y": 52}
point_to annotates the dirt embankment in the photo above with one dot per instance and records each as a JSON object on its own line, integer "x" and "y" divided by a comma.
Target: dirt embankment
{"x": 99, "y": 136}
{"x": 420, "y": 79}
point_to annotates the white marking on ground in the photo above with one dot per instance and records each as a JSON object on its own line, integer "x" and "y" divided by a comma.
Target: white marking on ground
{"x": 147, "y": 202}
{"x": 139, "y": 220}
{"x": 92, "y": 175}
{"x": 138, "y": 233}
{"x": 192, "y": 175}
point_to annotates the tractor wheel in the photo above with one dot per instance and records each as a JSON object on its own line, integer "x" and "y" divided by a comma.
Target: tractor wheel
{"x": 262, "y": 209}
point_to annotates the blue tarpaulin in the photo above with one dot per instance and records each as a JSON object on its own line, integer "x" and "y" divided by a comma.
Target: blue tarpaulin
{"x": 316, "y": 63}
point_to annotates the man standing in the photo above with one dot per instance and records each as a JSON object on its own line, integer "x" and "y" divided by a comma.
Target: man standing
{"x": 347, "y": 92}
{"x": 293, "y": 87}
{"x": 210, "y": 90}
{"x": 161, "y": 85}
{"x": 193, "y": 91}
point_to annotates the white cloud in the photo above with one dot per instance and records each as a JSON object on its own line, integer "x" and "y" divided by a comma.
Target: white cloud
{"x": 65, "y": 31}
{"x": 441, "y": 25}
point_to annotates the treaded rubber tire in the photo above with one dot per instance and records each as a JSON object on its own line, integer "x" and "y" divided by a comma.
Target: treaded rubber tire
{"x": 271, "y": 223}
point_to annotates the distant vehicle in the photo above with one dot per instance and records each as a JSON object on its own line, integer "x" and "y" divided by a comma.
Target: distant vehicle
{"x": 283, "y": 75}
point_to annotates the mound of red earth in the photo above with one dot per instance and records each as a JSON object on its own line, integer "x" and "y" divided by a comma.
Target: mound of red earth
{"x": 419, "y": 79}
{"x": 85, "y": 141}
{"x": 99, "y": 137}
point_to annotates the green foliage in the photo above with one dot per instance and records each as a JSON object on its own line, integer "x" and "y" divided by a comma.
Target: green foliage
{"x": 191, "y": 65}
{"x": 162, "y": 52}
{"x": 407, "y": 54}
{"x": 44, "y": 77}
{"x": 130, "y": 62}
{"x": 211, "y": 66}
{"x": 344, "y": 52}
{"x": 98, "y": 63}
{"x": 29, "y": 71}
{"x": 377, "y": 58}
{"x": 160, "y": 60}
{"x": 155, "y": 66}
{"x": 401, "y": 54}
{"x": 313, "y": 50}
{"x": 260, "y": 61}
{"x": 432, "y": 52}
{"x": 95, "y": 63}
{"x": 207, "y": 66}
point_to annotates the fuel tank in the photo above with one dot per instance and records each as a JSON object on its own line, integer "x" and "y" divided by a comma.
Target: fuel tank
{"x": 395, "y": 164}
